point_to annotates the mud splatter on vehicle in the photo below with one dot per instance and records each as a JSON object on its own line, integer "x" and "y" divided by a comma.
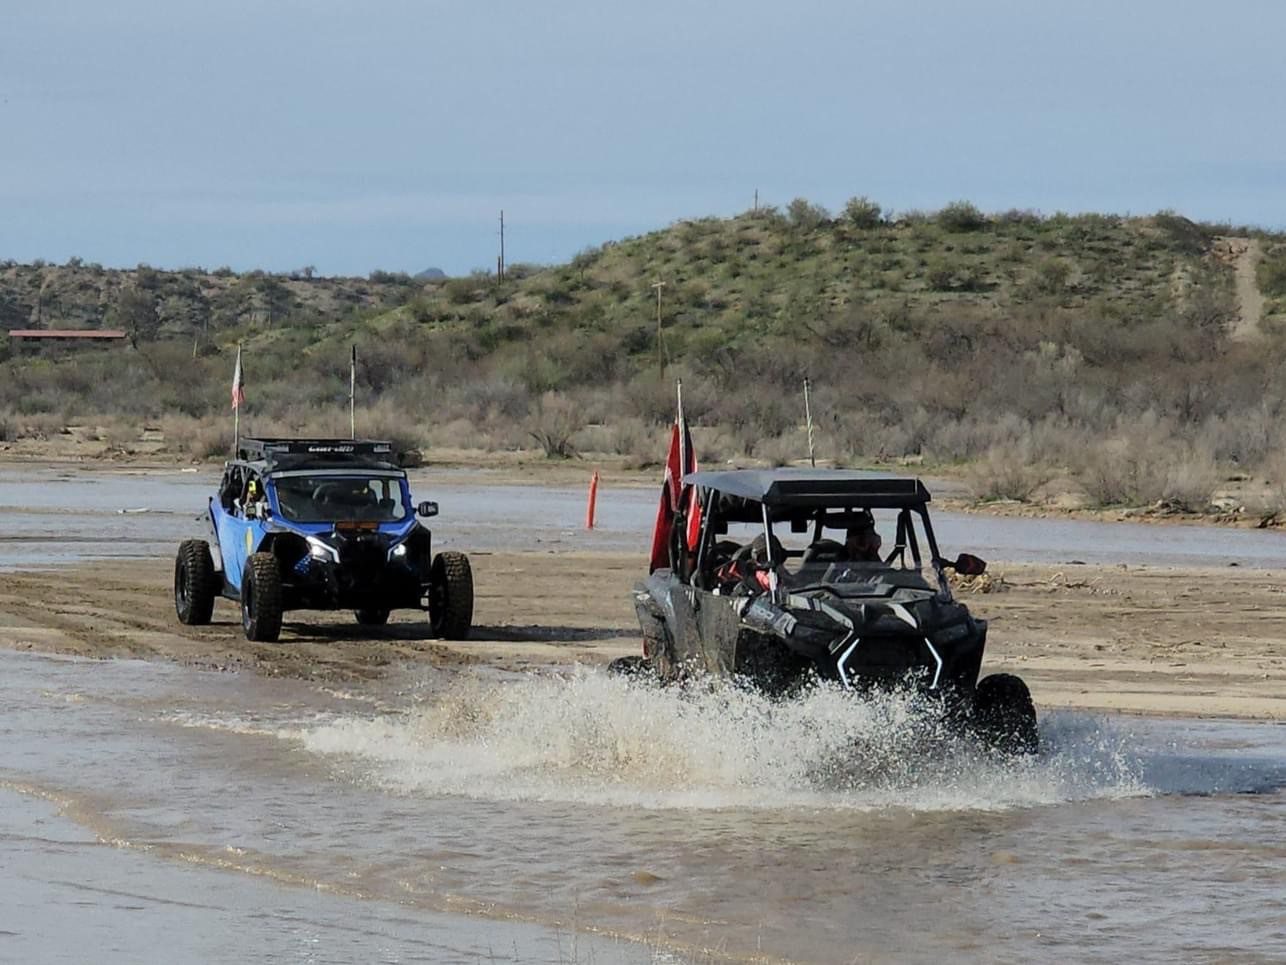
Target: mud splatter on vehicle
{"x": 838, "y": 605}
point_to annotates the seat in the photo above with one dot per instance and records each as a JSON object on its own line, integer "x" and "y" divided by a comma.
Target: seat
{"x": 825, "y": 551}
{"x": 755, "y": 550}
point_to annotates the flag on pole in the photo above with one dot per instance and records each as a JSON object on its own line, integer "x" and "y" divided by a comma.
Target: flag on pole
{"x": 238, "y": 383}
{"x": 680, "y": 461}
{"x": 352, "y": 394}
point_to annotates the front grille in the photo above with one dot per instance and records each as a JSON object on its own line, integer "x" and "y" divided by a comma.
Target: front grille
{"x": 363, "y": 553}
{"x": 362, "y": 561}
{"x": 886, "y": 659}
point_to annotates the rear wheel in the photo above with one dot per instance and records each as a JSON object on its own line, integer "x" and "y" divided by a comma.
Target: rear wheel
{"x": 371, "y": 616}
{"x": 1004, "y": 716}
{"x": 632, "y": 666}
{"x": 194, "y": 583}
{"x": 451, "y": 596}
{"x": 261, "y": 603}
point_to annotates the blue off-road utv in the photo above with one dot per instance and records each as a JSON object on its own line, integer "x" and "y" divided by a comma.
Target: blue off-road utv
{"x": 319, "y": 524}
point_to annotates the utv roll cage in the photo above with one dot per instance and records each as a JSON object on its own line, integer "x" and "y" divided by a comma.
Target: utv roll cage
{"x": 281, "y": 454}
{"x": 826, "y": 499}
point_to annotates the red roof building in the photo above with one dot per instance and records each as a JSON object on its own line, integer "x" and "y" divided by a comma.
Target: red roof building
{"x": 70, "y": 333}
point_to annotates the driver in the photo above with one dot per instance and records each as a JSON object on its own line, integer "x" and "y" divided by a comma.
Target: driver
{"x": 861, "y": 541}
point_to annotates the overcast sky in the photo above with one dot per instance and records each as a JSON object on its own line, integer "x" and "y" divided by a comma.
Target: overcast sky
{"x": 354, "y": 136}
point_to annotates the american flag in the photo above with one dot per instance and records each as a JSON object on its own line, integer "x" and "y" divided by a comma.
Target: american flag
{"x": 238, "y": 383}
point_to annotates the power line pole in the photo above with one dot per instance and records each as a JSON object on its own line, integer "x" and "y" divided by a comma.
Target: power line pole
{"x": 500, "y": 263}
{"x": 808, "y": 418}
{"x": 660, "y": 345}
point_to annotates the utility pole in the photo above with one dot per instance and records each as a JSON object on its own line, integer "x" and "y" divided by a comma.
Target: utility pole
{"x": 756, "y": 200}
{"x": 660, "y": 347}
{"x": 500, "y": 263}
{"x": 808, "y": 418}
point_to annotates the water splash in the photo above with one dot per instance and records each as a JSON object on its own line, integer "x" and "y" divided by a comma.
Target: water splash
{"x": 597, "y": 739}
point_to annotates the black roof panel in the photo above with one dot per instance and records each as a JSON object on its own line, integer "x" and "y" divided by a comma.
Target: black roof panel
{"x": 814, "y": 487}
{"x": 318, "y": 453}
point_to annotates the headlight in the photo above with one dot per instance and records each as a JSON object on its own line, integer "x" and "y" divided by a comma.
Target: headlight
{"x": 397, "y": 552}
{"x": 322, "y": 551}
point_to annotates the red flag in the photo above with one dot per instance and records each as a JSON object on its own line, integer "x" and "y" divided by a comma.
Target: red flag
{"x": 665, "y": 511}
{"x": 238, "y": 383}
{"x": 679, "y": 461}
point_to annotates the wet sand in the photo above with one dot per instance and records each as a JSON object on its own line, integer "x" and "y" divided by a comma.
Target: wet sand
{"x": 1153, "y": 640}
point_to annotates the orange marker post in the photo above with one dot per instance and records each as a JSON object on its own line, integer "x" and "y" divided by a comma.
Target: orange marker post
{"x": 592, "y": 505}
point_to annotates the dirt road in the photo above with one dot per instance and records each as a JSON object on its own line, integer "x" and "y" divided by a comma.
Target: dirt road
{"x": 1244, "y": 254}
{"x": 1173, "y": 641}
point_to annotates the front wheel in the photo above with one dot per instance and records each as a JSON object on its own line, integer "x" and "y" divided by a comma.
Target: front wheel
{"x": 1004, "y": 716}
{"x": 371, "y": 616}
{"x": 451, "y": 596}
{"x": 261, "y": 603}
{"x": 194, "y": 583}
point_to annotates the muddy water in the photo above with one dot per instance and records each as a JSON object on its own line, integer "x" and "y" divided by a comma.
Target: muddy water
{"x": 439, "y": 817}
{"x": 477, "y": 816}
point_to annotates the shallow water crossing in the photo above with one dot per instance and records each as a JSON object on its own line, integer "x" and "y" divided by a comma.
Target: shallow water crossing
{"x": 541, "y": 817}
{"x": 450, "y": 814}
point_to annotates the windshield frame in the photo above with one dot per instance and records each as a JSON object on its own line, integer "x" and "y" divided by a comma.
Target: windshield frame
{"x": 365, "y": 475}
{"x": 907, "y": 540}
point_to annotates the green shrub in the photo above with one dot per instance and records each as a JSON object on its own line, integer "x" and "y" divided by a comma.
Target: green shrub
{"x": 1051, "y": 277}
{"x": 1270, "y": 273}
{"x": 470, "y": 288}
{"x": 953, "y": 275}
{"x": 939, "y": 274}
{"x": 960, "y": 216}
{"x": 1181, "y": 234}
{"x": 863, "y": 213}
{"x": 805, "y": 215}
{"x": 1020, "y": 216}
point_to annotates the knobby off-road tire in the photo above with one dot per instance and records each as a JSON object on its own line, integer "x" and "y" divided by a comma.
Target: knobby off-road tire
{"x": 1004, "y": 716}
{"x": 194, "y": 583}
{"x": 636, "y": 667}
{"x": 371, "y": 616}
{"x": 451, "y": 596}
{"x": 261, "y": 598}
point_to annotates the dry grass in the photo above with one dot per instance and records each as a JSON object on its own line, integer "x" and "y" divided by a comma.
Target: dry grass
{"x": 553, "y": 422}
{"x": 197, "y": 438}
{"x": 1009, "y": 471}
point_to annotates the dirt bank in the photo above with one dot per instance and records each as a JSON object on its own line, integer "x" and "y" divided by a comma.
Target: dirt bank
{"x": 1169, "y": 641}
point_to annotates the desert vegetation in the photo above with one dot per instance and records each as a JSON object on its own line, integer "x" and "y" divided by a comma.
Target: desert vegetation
{"x": 1023, "y": 348}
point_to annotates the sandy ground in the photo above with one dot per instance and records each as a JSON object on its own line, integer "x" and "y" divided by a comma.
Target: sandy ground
{"x": 1146, "y": 640}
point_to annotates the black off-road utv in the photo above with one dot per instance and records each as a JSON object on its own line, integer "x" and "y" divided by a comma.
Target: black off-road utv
{"x": 319, "y": 524}
{"x": 839, "y": 605}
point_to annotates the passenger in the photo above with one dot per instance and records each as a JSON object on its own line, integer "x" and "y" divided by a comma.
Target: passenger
{"x": 253, "y": 502}
{"x": 749, "y": 572}
{"x": 862, "y": 542}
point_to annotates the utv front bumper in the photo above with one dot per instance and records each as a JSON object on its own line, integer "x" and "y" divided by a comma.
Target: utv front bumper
{"x": 357, "y": 573}
{"x": 883, "y": 646}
